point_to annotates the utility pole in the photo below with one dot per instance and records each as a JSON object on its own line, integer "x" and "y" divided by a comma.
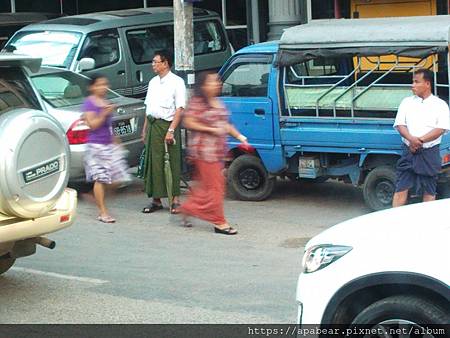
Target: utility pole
{"x": 184, "y": 40}
{"x": 13, "y": 6}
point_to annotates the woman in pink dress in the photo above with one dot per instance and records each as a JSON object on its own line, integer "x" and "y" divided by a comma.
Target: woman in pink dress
{"x": 207, "y": 119}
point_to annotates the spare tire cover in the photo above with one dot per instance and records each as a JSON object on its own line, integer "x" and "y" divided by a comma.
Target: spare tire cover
{"x": 34, "y": 157}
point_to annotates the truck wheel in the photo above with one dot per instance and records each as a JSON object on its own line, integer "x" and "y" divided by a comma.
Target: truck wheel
{"x": 379, "y": 188}
{"x": 6, "y": 264}
{"x": 400, "y": 311}
{"x": 248, "y": 180}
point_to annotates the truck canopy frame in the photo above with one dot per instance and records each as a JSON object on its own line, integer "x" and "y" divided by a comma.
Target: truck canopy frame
{"x": 418, "y": 36}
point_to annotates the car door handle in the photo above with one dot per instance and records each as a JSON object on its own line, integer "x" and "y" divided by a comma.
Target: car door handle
{"x": 121, "y": 72}
{"x": 139, "y": 76}
{"x": 260, "y": 112}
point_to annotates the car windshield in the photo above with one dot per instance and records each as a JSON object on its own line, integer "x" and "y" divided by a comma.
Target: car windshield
{"x": 56, "y": 48}
{"x": 64, "y": 89}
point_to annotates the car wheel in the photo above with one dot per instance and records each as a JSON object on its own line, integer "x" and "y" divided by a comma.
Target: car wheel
{"x": 248, "y": 180}
{"x": 401, "y": 312}
{"x": 6, "y": 264}
{"x": 379, "y": 188}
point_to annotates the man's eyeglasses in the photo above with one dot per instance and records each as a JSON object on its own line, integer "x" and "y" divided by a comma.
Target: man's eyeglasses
{"x": 155, "y": 61}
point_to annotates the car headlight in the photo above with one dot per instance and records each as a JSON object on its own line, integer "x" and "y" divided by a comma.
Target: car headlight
{"x": 319, "y": 256}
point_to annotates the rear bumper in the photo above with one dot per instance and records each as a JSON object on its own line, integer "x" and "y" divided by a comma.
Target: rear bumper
{"x": 16, "y": 229}
{"x": 76, "y": 170}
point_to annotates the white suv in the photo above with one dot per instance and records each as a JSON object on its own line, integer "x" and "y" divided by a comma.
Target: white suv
{"x": 386, "y": 269}
{"x": 34, "y": 162}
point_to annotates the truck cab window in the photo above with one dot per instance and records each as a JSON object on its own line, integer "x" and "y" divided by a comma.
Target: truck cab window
{"x": 246, "y": 79}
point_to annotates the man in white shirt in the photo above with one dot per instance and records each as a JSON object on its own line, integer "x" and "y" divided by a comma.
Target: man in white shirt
{"x": 165, "y": 101}
{"x": 421, "y": 120}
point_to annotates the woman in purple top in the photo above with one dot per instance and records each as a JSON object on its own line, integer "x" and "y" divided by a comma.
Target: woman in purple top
{"x": 104, "y": 163}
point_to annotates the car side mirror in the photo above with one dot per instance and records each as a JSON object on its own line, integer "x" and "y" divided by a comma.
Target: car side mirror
{"x": 86, "y": 64}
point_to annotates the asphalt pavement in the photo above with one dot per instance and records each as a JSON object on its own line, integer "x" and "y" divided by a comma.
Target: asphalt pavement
{"x": 146, "y": 268}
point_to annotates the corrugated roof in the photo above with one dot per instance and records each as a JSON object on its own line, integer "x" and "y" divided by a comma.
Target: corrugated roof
{"x": 395, "y": 31}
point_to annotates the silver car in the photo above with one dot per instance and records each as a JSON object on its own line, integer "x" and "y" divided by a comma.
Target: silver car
{"x": 64, "y": 92}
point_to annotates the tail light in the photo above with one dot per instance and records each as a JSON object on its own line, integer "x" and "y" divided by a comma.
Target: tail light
{"x": 78, "y": 132}
{"x": 446, "y": 159}
{"x": 64, "y": 218}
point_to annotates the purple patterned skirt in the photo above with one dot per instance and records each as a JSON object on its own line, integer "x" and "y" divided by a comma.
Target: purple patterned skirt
{"x": 105, "y": 163}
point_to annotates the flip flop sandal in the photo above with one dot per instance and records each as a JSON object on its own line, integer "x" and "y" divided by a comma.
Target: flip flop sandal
{"x": 152, "y": 208}
{"x": 174, "y": 208}
{"x": 186, "y": 223}
{"x": 106, "y": 219}
{"x": 226, "y": 231}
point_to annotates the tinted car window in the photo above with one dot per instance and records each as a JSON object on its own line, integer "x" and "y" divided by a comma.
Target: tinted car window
{"x": 15, "y": 91}
{"x": 103, "y": 47}
{"x": 207, "y": 37}
{"x": 144, "y": 42}
{"x": 64, "y": 88}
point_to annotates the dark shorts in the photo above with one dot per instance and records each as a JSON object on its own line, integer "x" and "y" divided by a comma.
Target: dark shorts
{"x": 423, "y": 184}
{"x": 419, "y": 170}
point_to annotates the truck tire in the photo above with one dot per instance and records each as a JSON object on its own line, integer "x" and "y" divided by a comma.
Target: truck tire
{"x": 379, "y": 188}
{"x": 6, "y": 264}
{"x": 402, "y": 310}
{"x": 248, "y": 180}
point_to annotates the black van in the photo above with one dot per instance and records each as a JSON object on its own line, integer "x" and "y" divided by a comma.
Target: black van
{"x": 120, "y": 44}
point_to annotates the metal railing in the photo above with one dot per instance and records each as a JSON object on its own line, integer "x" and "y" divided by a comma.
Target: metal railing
{"x": 397, "y": 65}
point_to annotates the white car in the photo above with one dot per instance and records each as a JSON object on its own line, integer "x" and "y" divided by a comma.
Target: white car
{"x": 387, "y": 269}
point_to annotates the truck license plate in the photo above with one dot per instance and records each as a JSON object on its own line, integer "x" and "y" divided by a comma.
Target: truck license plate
{"x": 307, "y": 163}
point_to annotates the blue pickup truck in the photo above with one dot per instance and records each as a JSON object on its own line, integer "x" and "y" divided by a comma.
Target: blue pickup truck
{"x": 321, "y": 103}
